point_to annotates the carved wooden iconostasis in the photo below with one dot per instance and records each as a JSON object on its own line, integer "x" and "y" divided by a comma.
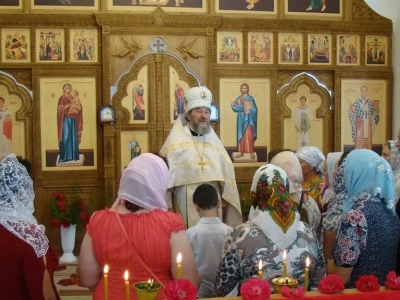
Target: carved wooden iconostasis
{"x": 304, "y": 68}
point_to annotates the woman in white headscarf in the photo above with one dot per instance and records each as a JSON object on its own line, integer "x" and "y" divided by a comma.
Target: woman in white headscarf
{"x": 276, "y": 228}
{"x": 138, "y": 234}
{"x": 27, "y": 263}
{"x": 311, "y": 161}
{"x": 329, "y": 168}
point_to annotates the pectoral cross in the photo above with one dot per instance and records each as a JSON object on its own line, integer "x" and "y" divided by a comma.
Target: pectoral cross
{"x": 201, "y": 163}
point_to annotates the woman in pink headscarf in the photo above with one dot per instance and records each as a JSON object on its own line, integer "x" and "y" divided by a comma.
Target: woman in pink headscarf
{"x": 155, "y": 235}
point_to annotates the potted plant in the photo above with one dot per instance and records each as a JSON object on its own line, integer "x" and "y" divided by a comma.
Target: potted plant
{"x": 66, "y": 214}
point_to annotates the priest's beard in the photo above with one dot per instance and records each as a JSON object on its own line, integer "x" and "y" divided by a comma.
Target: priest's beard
{"x": 201, "y": 128}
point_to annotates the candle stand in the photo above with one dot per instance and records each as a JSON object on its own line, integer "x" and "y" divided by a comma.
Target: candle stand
{"x": 146, "y": 291}
{"x": 280, "y": 282}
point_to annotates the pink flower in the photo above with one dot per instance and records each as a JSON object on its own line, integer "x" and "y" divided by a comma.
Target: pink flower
{"x": 392, "y": 282}
{"x": 289, "y": 293}
{"x": 180, "y": 289}
{"x": 367, "y": 283}
{"x": 255, "y": 289}
{"x": 331, "y": 284}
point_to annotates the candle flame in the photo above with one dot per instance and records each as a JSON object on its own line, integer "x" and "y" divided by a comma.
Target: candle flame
{"x": 260, "y": 265}
{"x": 284, "y": 254}
{"x": 179, "y": 258}
{"x": 105, "y": 270}
{"x": 126, "y": 275}
{"x": 148, "y": 281}
{"x": 307, "y": 262}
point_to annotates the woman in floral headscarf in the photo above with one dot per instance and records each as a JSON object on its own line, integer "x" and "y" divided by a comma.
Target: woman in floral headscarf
{"x": 27, "y": 265}
{"x": 314, "y": 184}
{"x": 276, "y": 228}
{"x": 369, "y": 230}
{"x": 307, "y": 207}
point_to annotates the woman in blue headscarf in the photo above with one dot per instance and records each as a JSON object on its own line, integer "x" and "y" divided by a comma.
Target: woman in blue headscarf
{"x": 369, "y": 231}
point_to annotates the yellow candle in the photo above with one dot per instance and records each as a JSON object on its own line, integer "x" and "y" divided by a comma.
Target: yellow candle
{"x": 105, "y": 282}
{"x": 179, "y": 266}
{"x": 260, "y": 274}
{"x": 284, "y": 264}
{"x": 127, "y": 291}
{"x": 306, "y": 274}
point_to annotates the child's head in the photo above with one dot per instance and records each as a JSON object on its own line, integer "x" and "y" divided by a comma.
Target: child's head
{"x": 75, "y": 93}
{"x": 205, "y": 197}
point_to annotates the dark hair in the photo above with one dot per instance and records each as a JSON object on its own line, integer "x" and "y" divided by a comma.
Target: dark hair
{"x": 276, "y": 151}
{"x": 342, "y": 157}
{"x": 26, "y": 164}
{"x": 132, "y": 207}
{"x": 205, "y": 196}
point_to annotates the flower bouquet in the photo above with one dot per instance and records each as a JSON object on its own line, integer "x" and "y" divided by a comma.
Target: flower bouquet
{"x": 64, "y": 212}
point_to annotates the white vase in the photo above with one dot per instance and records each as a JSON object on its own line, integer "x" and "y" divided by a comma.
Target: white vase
{"x": 68, "y": 243}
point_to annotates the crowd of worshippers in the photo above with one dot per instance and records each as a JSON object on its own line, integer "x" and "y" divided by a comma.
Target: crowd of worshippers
{"x": 340, "y": 212}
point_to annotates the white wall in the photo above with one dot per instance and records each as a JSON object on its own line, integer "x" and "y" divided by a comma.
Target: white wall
{"x": 391, "y": 10}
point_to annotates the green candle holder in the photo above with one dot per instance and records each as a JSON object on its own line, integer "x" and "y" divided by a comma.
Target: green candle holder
{"x": 145, "y": 291}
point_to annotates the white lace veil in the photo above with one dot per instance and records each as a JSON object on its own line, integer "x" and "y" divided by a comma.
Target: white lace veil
{"x": 16, "y": 205}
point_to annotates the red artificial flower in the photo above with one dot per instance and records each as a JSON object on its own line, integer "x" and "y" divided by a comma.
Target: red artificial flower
{"x": 61, "y": 205}
{"x": 255, "y": 289}
{"x": 367, "y": 283}
{"x": 331, "y": 284}
{"x": 296, "y": 293}
{"x": 56, "y": 223}
{"x": 180, "y": 289}
{"x": 84, "y": 217}
{"x": 65, "y": 223}
{"x": 392, "y": 281}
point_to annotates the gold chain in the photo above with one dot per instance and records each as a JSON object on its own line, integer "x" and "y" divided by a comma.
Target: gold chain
{"x": 201, "y": 162}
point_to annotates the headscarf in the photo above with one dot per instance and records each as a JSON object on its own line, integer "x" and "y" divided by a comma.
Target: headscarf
{"x": 394, "y": 162}
{"x": 16, "y": 205}
{"x": 144, "y": 182}
{"x": 331, "y": 160}
{"x": 278, "y": 217}
{"x": 332, "y": 217}
{"x": 288, "y": 161}
{"x": 313, "y": 156}
{"x": 365, "y": 172}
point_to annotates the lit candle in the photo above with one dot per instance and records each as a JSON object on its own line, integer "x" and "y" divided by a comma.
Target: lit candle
{"x": 284, "y": 264}
{"x": 105, "y": 282}
{"x": 179, "y": 266}
{"x": 150, "y": 283}
{"x": 260, "y": 274}
{"x": 127, "y": 291}
{"x": 306, "y": 274}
